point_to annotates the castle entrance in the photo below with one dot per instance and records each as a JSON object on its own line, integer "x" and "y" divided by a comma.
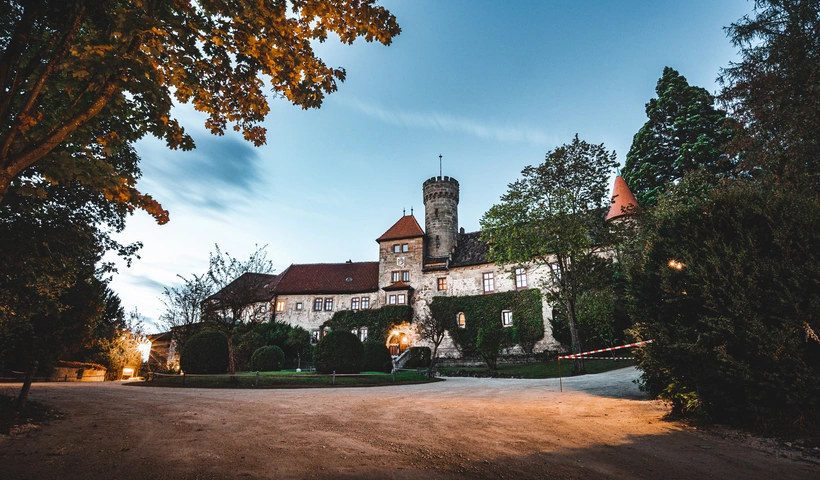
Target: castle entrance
{"x": 398, "y": 343}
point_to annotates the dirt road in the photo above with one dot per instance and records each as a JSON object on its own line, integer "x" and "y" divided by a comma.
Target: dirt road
{"x": 599, "y": 427}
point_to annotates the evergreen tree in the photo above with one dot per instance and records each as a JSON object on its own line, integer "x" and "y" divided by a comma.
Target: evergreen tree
{"x": 684, "y": 132}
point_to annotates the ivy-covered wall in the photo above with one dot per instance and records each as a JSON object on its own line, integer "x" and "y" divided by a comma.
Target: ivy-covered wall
{"x": 483, "y": 332}
{"x": 378, "y": 321}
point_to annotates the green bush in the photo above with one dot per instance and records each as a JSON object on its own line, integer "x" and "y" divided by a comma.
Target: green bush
{"x": 727, "y": 284}
{"x": 269, "y": 358}
{"x": 339, "y": 351}
{"x": 205, "y": 352}
{"x": 244, "y": 348}
{"x": 419, "y": 357}
{"x": 376, "y": 355}
{"x": 378, "y": 321}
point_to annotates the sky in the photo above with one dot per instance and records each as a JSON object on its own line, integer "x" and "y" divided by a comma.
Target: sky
{"x": 490, "y": 86}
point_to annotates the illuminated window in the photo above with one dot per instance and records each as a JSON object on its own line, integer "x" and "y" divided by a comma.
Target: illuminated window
{"x": 506, "y": 318}
{"x": 404, "y": 247}
{"x": 328, "y": 304}
{"x": 442, "y": 284}
{"x": 391, "y": 300}
{"x": 298, "y": 305}
{"x": 401, "y": 299}
{"x": 520, "y": 278}
{"x": 396, "y": 248}
{"x": 317, "y": 304}
{"x": 365, "y": 302}
{"x": 394, "y": 277}
{"x": 363, "y": 334}
{"x": 354, "y": 303}
{"x": 280, "y": 305}
{"x": 489, "y": 282}
{"x": 405, "y": 276}
{"x": 461, "y": 320}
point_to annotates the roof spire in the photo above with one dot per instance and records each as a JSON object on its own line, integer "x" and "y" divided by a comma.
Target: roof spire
{"x": 403, "y": 212}
{"x": 439, "y": 165}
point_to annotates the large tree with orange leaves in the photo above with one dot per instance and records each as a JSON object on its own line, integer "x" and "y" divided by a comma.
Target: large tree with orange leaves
{"x": 79, "y": 76}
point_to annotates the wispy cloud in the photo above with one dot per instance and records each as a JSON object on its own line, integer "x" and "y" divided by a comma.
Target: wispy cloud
{"x": 452, "y": 123}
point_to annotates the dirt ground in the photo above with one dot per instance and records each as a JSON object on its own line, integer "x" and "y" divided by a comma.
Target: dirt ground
{"x": 599, "y": 427}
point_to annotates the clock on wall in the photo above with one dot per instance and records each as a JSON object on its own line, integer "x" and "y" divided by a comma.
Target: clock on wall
{"x": 400, "y": 261}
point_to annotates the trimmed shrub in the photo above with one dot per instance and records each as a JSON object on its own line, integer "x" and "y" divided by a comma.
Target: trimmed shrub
{"x": 269, "y": 358}
{"x": 339, "y": 351}
{"x": 419, "y": 357}
{"x": 205, "y": 352}
{"x": 376, "y": 356}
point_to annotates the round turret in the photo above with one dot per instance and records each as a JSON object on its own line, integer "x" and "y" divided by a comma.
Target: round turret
{"x": 440, "y": 215}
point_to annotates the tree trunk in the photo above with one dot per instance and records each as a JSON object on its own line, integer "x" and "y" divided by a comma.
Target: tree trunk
{"x": 576, "y": 339}
{"x": 22, "y": 399}
{"x": 5, "y": 182}
{"x": 231, "y": 365}
{"x": 432, "y": 360}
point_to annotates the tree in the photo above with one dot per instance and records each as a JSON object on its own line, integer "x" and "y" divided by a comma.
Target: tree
{"x": 242, "y": 294}
{"x": 728, "y": 287}
{"x": 183, "y": 308}
{"x": 553, "y": 217}
{"x": 116, "y": 340}
{"x": 684, "y": 132}
{"x": 81, "y": 75}
{"x": 433, "y": 328}
{"x": 774, "y": 91}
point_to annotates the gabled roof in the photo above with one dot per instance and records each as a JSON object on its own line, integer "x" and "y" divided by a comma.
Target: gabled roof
{"x": 470, "y": 250}
{"x": 400, "y": 285}
{"x": 406, "y": 227}
{"x": 346, "y": 277}
{"x": 623, "y": 202}
{"x": 249, "y": 287}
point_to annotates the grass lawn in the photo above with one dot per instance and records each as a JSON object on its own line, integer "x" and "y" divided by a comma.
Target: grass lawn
{"x": 538, "y": 370}
{"x": 284, "y": 380}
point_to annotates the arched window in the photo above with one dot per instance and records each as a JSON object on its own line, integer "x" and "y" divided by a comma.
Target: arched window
{"x": 461, "y": 320}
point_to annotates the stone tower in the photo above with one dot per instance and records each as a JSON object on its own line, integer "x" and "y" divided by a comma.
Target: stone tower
{"x": 440, "y": 215}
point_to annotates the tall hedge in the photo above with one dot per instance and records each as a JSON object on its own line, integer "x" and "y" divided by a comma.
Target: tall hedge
{"x": 377, "y": 356}
{"x": 205, "y": 353}
{"x": 484, "y": 333}
{"x": 339, "y": 351}
{"x": 727, "y": 284}
{"x": 269, "y": 358}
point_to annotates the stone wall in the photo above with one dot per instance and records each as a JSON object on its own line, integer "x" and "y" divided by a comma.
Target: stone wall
{"x": 440, "y": 215}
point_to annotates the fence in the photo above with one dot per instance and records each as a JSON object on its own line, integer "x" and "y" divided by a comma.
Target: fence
{"x": 257, "y": 379}
{"x": 585, "y": 356}
{"x": 19, "y": 377}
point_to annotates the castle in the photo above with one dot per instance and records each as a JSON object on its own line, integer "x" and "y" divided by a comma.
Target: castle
{"x": 413, "y": 267}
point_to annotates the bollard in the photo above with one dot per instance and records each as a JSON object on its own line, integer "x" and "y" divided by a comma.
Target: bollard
{"x": 334, "y": 377}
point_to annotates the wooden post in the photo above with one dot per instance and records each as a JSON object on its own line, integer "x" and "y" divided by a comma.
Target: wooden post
{"x": 257, "y": 380}
{"x": 334, "y": 377}
{"x": 183, "y": 379}
{"x": 560, "y": 379}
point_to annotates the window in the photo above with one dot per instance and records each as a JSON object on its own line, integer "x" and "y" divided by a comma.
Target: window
{"x": 280, "y": 305}
{"x": 394, "y": 277}
{"x": 298, "y": 305}
{"x": 520, "y": 278}
{"x": 442, "y": 284}
{"x": 328, "y": 304}
{"x": 556, "y": 273}
{"x": 489, "y": 282}
{"x": 365, "y": 302}
{"x": 354, "y": 303}
{"x": 363, "y": 334}
{"x": 461, "y": 320}
{"x": 396, "y": 248}
{"x": 404, "y": 247}
{"x": 506, "y": 318}
{"x": 317, "y": 304}
{"x": 314, "y": 336}
{"x": 401, "y": 299}
{"x": 405, "y": 276}
{"x": 391, "y": 300}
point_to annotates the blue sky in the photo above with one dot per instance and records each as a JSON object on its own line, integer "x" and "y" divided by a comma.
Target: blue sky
{"x": 490, "y": 86}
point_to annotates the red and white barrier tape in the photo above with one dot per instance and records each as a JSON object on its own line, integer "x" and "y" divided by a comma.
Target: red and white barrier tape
{"x": 584, "y": 354}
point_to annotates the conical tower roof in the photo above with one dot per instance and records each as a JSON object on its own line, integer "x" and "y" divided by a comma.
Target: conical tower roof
{"x": 623, "y": 202}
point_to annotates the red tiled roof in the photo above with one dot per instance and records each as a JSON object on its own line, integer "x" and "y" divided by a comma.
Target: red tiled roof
{"x": 623, "y": 202}
{"x": 253, "y": 287}
{"x": 406, "y": 227}
{"x": 400, "y": 285}
{"x": 329, "y": 278}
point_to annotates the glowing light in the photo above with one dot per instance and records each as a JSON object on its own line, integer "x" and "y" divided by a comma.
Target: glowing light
{"x": 145, "y": 349}
{"x": 676, "y": 265}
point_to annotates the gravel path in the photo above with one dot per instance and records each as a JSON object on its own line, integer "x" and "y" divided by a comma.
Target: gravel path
{"x": 599, "y": 427}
